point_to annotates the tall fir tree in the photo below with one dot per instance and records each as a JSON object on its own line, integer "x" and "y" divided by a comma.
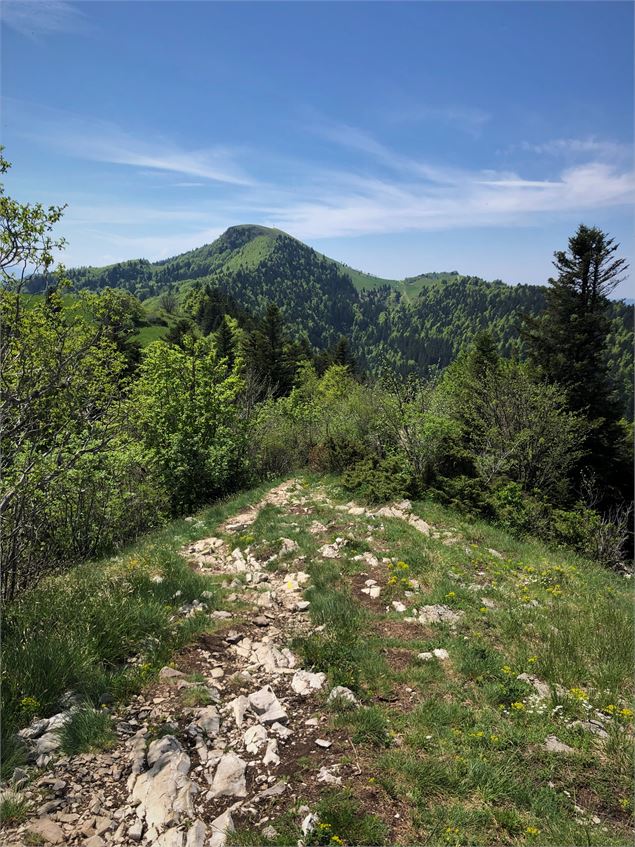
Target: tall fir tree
{"x": 225, "y": 343}
{"x": 568, "y": 344}
{"x": 267, "y": 353}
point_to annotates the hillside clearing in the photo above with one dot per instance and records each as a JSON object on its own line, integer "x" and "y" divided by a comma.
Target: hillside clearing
{"x": 490, "y": 680}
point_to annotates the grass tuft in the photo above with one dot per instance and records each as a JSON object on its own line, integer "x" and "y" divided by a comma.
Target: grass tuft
{"x": 87, "y": 730}
{"x": 13, "y": 809}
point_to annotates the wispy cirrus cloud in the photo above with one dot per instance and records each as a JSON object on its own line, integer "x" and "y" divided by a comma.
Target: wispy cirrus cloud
{"x": 36, "y": 18}
{"x": 104, "y": 141}
{"x": 381, "y": 191}
{"x": 579, "y": 147}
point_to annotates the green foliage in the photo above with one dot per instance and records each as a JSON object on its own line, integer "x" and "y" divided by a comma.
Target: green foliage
{"x": 87, "y": 730}
{"x": 184, "y": 408}
{"x": 568, "y": 342}
{"x": 342, "y": 821}
{"x": 368, "y": 726}
{"x": 378, "y": 480}
{"x": 74, "y": 631}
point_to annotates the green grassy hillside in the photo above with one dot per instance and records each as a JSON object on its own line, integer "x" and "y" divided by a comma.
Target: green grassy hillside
{"x": 507, "y": 721}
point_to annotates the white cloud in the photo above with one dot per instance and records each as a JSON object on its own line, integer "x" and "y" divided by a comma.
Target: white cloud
{"x": 35, "y": 18}
{"x": 383, "y": 191}
{"x": 579, "y": 147}
{"x": 104, "y": 141}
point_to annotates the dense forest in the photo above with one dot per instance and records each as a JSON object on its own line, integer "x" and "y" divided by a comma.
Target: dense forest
{"x": 418, "y": 325}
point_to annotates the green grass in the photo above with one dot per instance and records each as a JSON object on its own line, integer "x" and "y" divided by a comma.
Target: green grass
{"x": 343, "y": 820}
{"x": 456, "y": 745}
{"x": 13, "y": 809}
{"x": 87, "y": 730}
{"x": 74, "y": 631}
{"x": 468, "y": 756}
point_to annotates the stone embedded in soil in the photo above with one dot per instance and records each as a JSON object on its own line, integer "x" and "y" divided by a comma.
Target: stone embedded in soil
{"x": 288, "y": 545}
{"x": 261, "y": 700}
{"x": 165, "y": 791}
{"x": 322, "y": 742}
{"x": 229, "y": 777}
{"x": 553, "y": 745}
{"x": 170, "y": 673}
{"x": 274, "y": 714}
{"x": 208, "y": 719}
{"x": 437, "y": 614}
{"x": 305, "y": 682}
{"x": 329, "y": 775}
{"x": 280, "y": 730}
{"x": 340, "y": 692}
{"x": 221, "y": 827}
{"x": 333, "y": 551}
{"x": 239, "y": 706}
{"x": 135, "y": 831}
{"x": 269, "y": 832}
{"x": 255, "y": 738}
{"x": 46, "y": 829}
{"x": 271, "y": 753}
{"x": 594, "y": 727}
{"x": 196, "y": 834}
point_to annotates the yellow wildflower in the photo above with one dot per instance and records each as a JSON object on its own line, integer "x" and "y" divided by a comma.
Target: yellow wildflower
{"x": 518, "y": 706}
{"x": 532, "y": 830}
{"x": 506, "y": 670}
{"x": 578, "y": 693}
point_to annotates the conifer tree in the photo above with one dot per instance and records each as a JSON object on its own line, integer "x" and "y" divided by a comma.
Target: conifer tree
{"x": 225, "y": 343}
{"x": 568, "y": 343}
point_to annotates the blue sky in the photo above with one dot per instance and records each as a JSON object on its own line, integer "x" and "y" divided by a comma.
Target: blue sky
{"x": 397, "y": 137}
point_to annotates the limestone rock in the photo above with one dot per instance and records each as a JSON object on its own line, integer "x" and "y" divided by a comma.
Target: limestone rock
{"x": 165, "y": 791}
{"x": 229, "y": 778}
{"x": 196, "y": 834}
{"x": 438, "y": 614}
{"x": 553, "y": 745}
{"x": 305, "y": 682}
{"x": 221, "y": 827}
{"x": 271, "y": 753}
{"x": 255, "y": 738}
{"x": 341, "y": 693}
{"x": 47, "y": 830}
{"x": 209, "y": 721}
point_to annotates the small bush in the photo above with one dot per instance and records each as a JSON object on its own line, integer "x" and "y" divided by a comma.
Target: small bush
{"x": 378, "y": 480}
{"x": 88, "y": 729}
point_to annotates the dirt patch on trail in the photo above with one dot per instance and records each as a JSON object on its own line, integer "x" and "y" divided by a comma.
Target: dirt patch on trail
{"x": 402, "y": 630}
{"x": 398, "y": 658}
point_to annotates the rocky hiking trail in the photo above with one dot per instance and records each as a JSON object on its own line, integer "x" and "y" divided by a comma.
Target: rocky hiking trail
{"x": 236, "y": 732}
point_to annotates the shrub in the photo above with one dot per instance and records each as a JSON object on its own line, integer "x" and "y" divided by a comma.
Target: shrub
{"x": 378, "y": 480}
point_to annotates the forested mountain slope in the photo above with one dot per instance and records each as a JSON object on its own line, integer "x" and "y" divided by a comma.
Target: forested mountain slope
{"x": 417, "y": 324}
